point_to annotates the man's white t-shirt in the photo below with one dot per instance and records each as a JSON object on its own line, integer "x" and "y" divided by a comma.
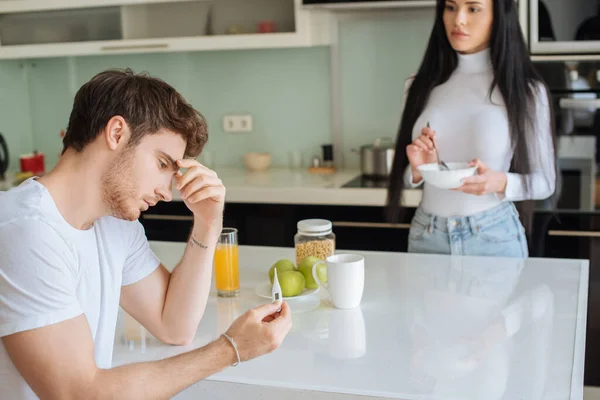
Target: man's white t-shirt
{"x": 51, "y": 272}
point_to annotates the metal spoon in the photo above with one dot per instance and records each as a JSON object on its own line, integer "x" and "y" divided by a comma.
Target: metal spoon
{"x": 443, "y": 166}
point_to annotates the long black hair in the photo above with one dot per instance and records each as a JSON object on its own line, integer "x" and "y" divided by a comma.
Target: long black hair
{"x": 514, "y": 76}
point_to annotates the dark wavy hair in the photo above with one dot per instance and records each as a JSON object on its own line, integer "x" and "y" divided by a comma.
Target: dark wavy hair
{"x": 515, "y": 77}
{"x": 148, "y": 105}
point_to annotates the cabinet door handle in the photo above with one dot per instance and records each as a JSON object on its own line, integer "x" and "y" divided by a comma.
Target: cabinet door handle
{"x": 136, "y": 47}
{"x": 158, "y": 217}
{"x": 352, "y": 224}
{"x": 588, "y": 234}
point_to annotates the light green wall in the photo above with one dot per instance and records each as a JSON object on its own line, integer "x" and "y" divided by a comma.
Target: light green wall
{"x": 50, "y": 102}
{"x": 287, "y": 91}
{"x": 377, "y": 55}
{"x": 15, "y": 120}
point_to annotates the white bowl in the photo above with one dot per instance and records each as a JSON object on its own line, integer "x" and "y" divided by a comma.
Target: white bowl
{"x": 446, "y": 179}
{"x": 257, "y": 161}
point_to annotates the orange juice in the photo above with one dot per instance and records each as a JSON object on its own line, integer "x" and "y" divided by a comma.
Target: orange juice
{"x": 227, "y": 277}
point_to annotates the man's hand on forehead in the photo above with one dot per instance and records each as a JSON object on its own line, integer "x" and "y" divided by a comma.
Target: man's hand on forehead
{"x": 201, "y": 190}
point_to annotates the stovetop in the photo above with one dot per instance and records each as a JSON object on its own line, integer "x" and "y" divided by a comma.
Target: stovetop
{"x": 362, "y": 181}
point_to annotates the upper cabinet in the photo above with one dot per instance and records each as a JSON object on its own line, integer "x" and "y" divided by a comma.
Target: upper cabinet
{"x": 367, "y": 4}
{"x": 47, "y": 28}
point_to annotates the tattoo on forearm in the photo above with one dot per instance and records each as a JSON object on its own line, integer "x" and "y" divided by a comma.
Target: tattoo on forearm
{"x": 193, "y": 242}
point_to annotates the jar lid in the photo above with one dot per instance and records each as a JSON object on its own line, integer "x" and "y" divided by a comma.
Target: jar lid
{"x": 314, "y": 225}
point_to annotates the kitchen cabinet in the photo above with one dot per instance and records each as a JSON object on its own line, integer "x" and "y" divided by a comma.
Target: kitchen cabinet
{"x": 559, "y": 234}
{"x": 168, "y": 222}
{"x": 355, "y": 227}
{"x": 257, "y": 224}
{"x": 37, "y": 28}
{"x": 576, "y": 235}
{"x": 363, "y": 228}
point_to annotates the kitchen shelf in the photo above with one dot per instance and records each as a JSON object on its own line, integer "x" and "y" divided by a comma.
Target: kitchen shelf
{"x": 79, "y": 25}
{"x": 135, "y": 26}
{"x": 19, "y": 6}
{"x": 225, "y": 42}
{"x": 373, "y": 5}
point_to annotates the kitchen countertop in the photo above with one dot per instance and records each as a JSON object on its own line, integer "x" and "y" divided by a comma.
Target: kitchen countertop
{"x": 285, "y": 186}
{"x": 429, "y": 327}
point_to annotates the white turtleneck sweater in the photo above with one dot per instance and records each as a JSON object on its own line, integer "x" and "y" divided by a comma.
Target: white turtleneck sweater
{"x": 469, "y": 126}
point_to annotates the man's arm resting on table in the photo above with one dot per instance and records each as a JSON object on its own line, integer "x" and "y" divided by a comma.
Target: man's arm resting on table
{"x": 57, "y": 361}
{"x": 169, "y": 305}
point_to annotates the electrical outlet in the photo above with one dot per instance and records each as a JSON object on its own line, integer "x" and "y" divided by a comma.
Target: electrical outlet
{"x": 237, "y": 123}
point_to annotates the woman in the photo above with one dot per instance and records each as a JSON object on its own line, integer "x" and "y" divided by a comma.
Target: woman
{"x": 485, "y": 103}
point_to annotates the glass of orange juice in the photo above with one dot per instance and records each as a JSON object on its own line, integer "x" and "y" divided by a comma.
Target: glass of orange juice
{"x": 227, "y": 277}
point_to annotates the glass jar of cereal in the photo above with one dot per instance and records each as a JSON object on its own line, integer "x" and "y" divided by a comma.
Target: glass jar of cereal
{"x": 314, "y": 238}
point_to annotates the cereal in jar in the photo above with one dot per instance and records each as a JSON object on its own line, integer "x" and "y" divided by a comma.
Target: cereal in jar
{"x": 315, "y": 238}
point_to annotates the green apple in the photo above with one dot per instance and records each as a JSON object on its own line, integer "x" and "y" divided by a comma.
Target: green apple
{"x": 292, "y": 283}
{"x": 282, "y": 266}
{"x": 305, "y": 267}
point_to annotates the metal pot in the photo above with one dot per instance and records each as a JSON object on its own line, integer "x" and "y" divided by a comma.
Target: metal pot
{"x": 376, "y": 159}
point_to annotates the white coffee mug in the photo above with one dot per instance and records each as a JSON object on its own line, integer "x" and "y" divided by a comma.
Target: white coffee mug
{"x": 345, "y": 279}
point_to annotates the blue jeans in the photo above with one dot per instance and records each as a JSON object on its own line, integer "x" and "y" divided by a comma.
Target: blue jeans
{"x": 495, "y": 232}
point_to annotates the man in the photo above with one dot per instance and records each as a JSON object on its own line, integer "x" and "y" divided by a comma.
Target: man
{"x": 72, "y": 250}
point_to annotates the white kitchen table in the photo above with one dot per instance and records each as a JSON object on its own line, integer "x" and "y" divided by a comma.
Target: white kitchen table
{"x": 429, "y": 327}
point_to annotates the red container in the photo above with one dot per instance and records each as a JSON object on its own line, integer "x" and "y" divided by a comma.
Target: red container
{"x": 33, "y": 163}
{"x": 267, "y": 27}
